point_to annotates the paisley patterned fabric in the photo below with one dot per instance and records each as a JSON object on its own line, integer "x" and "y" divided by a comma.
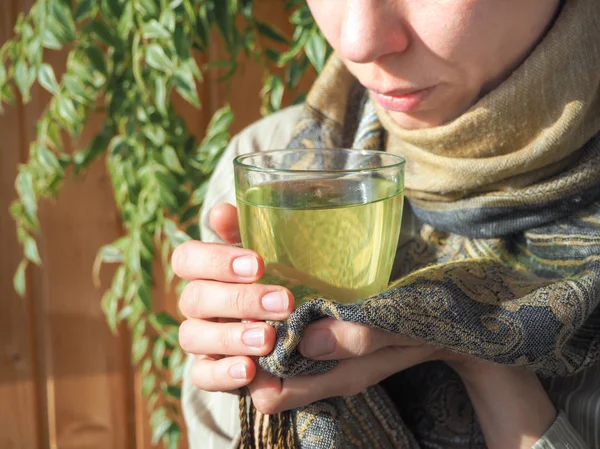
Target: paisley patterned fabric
{"x": 507, "y": 272}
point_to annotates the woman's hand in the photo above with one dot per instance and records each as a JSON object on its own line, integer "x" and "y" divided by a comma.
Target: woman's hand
{"x": 367, "y": 356}
{"x": 511, "y": 405}
{"x": 221, "y": 293}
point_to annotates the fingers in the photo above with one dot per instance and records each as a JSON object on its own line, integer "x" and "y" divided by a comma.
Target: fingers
{"x": 207, "y": 337}
{"x": 331, "y": 339}
{"x": 350, "y": 377}
{"x": 197, "y": 260}
{"x": 223, "y": 219}
{"x": 225, "y": 374}
{"x": 208, "y": 299}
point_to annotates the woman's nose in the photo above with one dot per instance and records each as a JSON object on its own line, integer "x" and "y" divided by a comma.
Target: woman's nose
{"x": 371, "y": 30}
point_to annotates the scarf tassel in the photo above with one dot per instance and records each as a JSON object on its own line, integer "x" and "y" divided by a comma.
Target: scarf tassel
{"x": 274, "y": 432}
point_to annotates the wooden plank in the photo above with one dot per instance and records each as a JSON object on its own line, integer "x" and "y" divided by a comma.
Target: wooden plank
{"x": 88, "y": 372}
{"x": 88, "y": 391}
{"x": 19, "y": 413}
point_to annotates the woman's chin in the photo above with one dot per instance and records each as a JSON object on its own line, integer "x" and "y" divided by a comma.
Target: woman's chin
{"x": 415, "y": 121}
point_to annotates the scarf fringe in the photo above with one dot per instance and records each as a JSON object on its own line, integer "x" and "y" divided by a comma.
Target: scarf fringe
{"x": 274, "y": 432}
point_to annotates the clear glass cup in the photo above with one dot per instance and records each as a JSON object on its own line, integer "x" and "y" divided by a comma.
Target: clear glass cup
{"x": 324, "y": 220}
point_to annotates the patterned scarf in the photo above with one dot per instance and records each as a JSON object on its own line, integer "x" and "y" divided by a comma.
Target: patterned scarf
{"x": 505, "y": 268}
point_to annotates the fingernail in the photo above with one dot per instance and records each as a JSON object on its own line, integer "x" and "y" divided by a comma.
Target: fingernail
{"x": 254, "y": 337}
{"x": 318, "y": 343}
{"x": 245, "y": 266}
{"x": 275, "y": 301}
{"x": 238, "y": 371}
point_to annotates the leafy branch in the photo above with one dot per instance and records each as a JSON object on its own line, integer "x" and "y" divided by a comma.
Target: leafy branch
{"x": 126, "y": 60}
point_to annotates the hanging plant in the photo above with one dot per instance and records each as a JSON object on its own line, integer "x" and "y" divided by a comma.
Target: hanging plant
{"x": 127, "y": 59}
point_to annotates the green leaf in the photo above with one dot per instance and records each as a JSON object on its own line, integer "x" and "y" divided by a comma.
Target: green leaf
{"x": 50, "y": 41}
{"x": 174, "y": 391}
{"x": 61, "y": 14}
{"x": 182, "y": 43}
{"x": 24, "y": 185}
{"x": 31, "y": 251}
{"x": 115, "y": 8}
{"x": 193, "y": 212}
{"x": 145, "y": 367}
{"x": 199, "y": 194}
{"x": 96, "y": 58}
{"x": 271, "y": 32}
{"x": 158, "y": 352}
{"x": 220, "y": 121}
{"x": 299, "y": 99}
{"x": 109, "y": 306}
{"x": 149, "y": 7}
{"x": 138, "y": 330}
{"x": 276, "y": 93}
{"x": 273, "y": 55}
{"x": 168, "y": 19}
{"x": 155, "y": 134}
{"x": 152, "y": 400}
{"x": 186, "y": 86}
{"x": 104, "y": 33}
{"x": 148, "y": 384}
{"x": 202, "y": 31}
{"x": 193, "y": 231}
{"x": 316, "y": 50}
{"x": 19, "y": 278}
{"x": 118, "y": 283}
{"x": 158, "y": 59}
{"x": 76, "y": 89}
{"x": 171, "y": 159}
{"x": 175, "y": 236}
{"x": 224, "y": 18}
{"x": 176, "y": 359}
{"x": 109, "y": 254}
{"x": 154, "y": 30}
{"x": 22, "y": 79}
{"x": 47, "y": 79}
{"x": 160, "y": 94}
{"x": 67, "y": 111}
{"x": 158, "y": 416}
{"x": 126, "y": 312}
{"x": 294, "y": 72}
{"x": 159, "y": 429}
{"x": 127, "y": 23}
{"x": 302, "y": 16}
{"x": 172, "y": 436}
{"x": 247, "y": 8}
{"x": 85, "y": 9}
{"x": 3, "y": 74}
{"x": 145, "y": 296}
{"x": 139, "y": 349}
{"x": 48, "y": 160}
{"x": 165, "y": 319}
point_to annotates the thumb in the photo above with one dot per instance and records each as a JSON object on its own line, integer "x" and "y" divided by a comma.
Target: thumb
{"x": 223, "y": 219}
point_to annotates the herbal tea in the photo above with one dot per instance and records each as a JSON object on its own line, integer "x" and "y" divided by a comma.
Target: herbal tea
{"x": 327, "y": 234}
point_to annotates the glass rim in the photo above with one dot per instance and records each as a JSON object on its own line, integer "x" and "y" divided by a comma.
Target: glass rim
{"x": 239, "y": 161}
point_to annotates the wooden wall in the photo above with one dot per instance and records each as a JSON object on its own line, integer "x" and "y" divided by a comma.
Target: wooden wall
{"x": 65, "y": 380}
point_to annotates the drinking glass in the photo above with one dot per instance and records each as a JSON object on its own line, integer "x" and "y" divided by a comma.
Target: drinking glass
{"x": 326, "y": 220}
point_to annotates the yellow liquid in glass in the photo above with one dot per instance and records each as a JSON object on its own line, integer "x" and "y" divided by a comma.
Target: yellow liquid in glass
{"x": 307, "y": 239}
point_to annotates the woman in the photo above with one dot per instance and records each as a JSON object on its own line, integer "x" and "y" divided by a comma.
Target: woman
{"x": 488, "y": 101}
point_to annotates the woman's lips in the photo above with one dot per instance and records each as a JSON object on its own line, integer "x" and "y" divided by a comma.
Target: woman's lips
{"x": 404, "y": 102}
